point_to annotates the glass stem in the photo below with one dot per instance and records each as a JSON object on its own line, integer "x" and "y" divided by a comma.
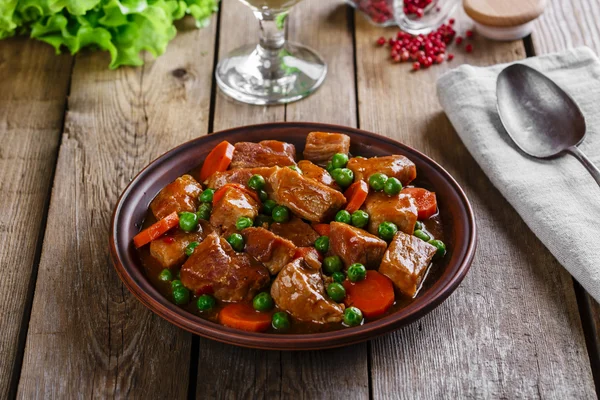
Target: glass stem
{"x": 272, "y": 31}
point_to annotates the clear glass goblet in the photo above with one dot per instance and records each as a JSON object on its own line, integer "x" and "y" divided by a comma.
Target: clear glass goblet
{"x": 274, "y": 71}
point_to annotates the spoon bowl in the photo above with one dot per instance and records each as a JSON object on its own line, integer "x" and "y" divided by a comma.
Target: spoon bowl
{"x": 540, "y": 117}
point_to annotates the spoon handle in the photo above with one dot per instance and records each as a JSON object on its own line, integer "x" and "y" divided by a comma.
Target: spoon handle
{"x": 587, "y": 163}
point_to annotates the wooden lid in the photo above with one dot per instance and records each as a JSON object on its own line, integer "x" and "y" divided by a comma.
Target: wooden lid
{"x": 504, "y": 13}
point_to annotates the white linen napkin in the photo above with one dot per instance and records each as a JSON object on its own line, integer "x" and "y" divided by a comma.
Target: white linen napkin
{"x": 558, "y": 198}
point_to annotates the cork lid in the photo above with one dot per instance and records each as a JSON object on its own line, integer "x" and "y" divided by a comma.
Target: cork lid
{"x": 504, "y": 13}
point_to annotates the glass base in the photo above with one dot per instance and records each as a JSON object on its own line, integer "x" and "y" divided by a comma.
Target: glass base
{"x": 255, "y": 75}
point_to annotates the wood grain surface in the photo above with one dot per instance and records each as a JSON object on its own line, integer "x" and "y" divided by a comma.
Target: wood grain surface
{"x": 565, "y": 25}
{"x": 88, "y": 337}
{"x": 246, "y": 373}
{"x": 34, "y": 85}
{"x": 512, "y": 328}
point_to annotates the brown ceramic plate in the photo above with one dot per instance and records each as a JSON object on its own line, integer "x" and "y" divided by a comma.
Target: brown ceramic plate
{"x": 129, "y": 213}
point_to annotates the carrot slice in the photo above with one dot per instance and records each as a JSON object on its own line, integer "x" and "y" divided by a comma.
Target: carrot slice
{"x": 322, "y": 229}
{"x": 221, "y": 192}
{"x": 243, "y": 316}
{"x": 425, "y": 201}
{"x": 356, "y": 195}
{"x": 217, "y": 160}
{"x": 156, "y": 230}
{"x": 374, "y": 295}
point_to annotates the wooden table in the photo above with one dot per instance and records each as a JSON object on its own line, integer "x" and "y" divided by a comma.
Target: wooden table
{"x": 73, "y": 133}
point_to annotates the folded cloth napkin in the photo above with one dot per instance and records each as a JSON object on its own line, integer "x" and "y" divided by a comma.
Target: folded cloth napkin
{"x": 558, "y": 198}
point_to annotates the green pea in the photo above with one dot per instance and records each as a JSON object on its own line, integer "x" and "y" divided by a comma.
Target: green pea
{"x": 295, "y": 168}
{"x": 206, "y": 302}
{"x": 387, "y": 230}
{"x": 338, "y": 277}
{"x": 418, "y": 226}
{"x": 360, "y": 218}
{"x": 165, "y": 275}
{"x": 281, "y": 214}
{"x": 262, "y": 195}
{"x": 189, "y": 250}
{"x": 329, "y": 167}
{"x": 263, "y": 220}
{"x": 377, "y": 181}
{"x": 269, "y": 206}
{"x": 263, "y": 302}
{"x": 357, "y": 272}
{"x": 392, "y": 186}
{"x": 343, "y": 176}
{"x": 236, "y": 241}
{"x": 181, "y": 295}
{"x": 343, "y": 216}
{"x": 353, "y": 316}
{"x": 188, "y": 221}
{"x": 359, "y": 157}
{"x": 332, "y": 264}
{"x": 176, "y": 283}
{"x": 256, "y": 182}
{"x": 441, "y": 248}
{"x": 422, "y": 235}
{"x": 336, "y": 291}
{"x": 322, "y": 244}
{"x": 207, "y": 196}
{"x": 243, "y": 223}
{"x": 204, "y": 211}
{"x": 281, "y": 321}
{"x": 339, "y": 160}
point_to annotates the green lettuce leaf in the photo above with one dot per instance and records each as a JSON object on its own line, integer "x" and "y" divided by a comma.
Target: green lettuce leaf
{"x": 124, "y": 28}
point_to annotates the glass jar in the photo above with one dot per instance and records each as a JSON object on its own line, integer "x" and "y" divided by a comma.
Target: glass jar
{"x": 412, "y": 16}
{"x": 422, "y": 16}
{"x": 378, "y": 12}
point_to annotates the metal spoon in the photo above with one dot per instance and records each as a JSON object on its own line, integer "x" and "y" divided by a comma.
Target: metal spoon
{"x": 539, "y": 116}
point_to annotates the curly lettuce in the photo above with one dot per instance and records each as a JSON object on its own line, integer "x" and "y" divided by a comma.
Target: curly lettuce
{"x": 124, "y": 28}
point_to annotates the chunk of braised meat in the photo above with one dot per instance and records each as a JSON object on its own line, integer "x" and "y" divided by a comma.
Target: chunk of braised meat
{"x": 406, "y": 262}
{"x": 216, "y": 268}
{"x": 241, "y": 176}
{"x": 306, "y": 197}
{"x": 354, "y": 245}
{"x": 317, "y": 173}
{"x": 251, "y": 155}
{"x": 395, "y": 166}
{"x": 280, "y": 147}
{"x": 268, "y": 248}
{"x": 300, "y": 291}
{"x": 297, "y": 231}
{"x": 399, "y": 209}
{"x": 234, "y": 204}
{"x": 169, "y": 250}
{"x": 178, "y": 196}
{"x": 321, "y": 146}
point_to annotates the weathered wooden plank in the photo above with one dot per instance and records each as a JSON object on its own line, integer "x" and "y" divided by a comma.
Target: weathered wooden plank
{"x": 243, "y": 373}
{"x": 563, "y": 25}
{"x": 33, "y": 86}
{"x": 88, "y": 337}
{"x": 326, "y": 26}
{"x": 567, "y": 24}
{"x": 512, "y": 329}
{"x": 225, "y": 371}
{"x": 228, "y": 112}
